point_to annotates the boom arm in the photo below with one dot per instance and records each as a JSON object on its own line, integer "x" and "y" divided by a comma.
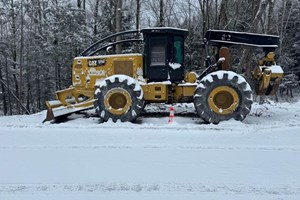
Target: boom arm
{"x": 229, "y": 38}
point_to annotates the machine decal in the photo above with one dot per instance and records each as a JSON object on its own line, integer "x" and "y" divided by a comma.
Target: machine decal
{"x": 94, "y": 72}
{"x": 96, "y": 62}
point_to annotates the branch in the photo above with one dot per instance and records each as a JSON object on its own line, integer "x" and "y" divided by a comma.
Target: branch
{"x": 18, "y": 100}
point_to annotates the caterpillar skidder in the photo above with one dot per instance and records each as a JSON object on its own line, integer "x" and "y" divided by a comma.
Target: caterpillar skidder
{"x": 118, "y": 86}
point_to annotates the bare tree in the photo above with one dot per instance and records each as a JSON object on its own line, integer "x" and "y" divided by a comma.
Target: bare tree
{"x": 285, "y": 18}
{"x": 222, "y": 19}
{"x": 258, "y": 8}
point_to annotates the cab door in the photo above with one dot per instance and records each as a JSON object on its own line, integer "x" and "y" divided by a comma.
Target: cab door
{"x": 157, "y": 68}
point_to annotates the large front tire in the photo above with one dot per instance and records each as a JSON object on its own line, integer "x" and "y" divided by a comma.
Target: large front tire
{"x": 223, "y": 95}
{"x": 119, "y": 97}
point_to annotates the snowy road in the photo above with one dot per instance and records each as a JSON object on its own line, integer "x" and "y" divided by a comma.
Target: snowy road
{"x": 81, "y": 159}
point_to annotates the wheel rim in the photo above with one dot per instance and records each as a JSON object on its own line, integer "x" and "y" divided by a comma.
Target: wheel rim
{"x": 117, "y": 101}
{"x": 223, "y": 100}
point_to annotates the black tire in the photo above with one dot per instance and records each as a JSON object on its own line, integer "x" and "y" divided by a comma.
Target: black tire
{"x": 223, "y": 95}
{"x": 119, "y": 97}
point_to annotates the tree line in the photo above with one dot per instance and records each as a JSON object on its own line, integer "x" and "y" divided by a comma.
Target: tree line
{"x": 39, "y": 38}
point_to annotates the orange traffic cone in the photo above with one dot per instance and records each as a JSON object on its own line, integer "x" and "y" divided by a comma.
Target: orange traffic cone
{"x": 171, "y": 116}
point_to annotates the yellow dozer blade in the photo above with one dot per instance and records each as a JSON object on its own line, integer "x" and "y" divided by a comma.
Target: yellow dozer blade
{"x": 69, "y": 101}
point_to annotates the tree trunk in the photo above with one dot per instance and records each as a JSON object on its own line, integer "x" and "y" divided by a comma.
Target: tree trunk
{"x": 270, "y": 16}
{"x": 216, "y": 14}
{"x": 4, "y": 103}
{"x": 83, "y": 4}
{"x": 207, "y": 16}
{"x": 137, "y": 16}
{"x": 17, "y": 99}
{"x": 28, "y": 81}
{"x": 236, "y": 14}
{"x": 21, "y": 57}
{"x": 118, "y": 24}
{"x": 262, "y": 8}
{"x": 161, "y": 13}
{"x": 203, "y": 12}
{"x": 8, "y": 87}
{"x": 137, "y": 22}
{"x": 14, "y": 50}
{"x": 57, "y": 73}
{"x": 283, "y": 24}
{"x": 38, "y": 88}
{"x": 78, "y": 3}
{"x": 222, "y": 21}
{"x": 40, "y": 17}
{"x": 96, "y": 11}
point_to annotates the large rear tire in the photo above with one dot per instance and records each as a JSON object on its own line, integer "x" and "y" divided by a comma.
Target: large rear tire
{"x": 119, "y": 97}
{"x": 223, "y": 95}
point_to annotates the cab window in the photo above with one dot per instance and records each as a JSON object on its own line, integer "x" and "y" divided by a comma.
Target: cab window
{"x": 158, "y": 52}
{"x": 178, "y": 49}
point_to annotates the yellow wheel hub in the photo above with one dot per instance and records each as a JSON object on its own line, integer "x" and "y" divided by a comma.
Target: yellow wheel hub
{"x": 117, "y": 101}
{"x": 223, "y": 100}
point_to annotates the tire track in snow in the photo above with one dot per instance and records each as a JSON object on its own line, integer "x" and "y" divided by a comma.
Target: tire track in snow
{"x": 148, "y": 188}
{"x": 241, "y": 127}
{"x": 191, "y": 147}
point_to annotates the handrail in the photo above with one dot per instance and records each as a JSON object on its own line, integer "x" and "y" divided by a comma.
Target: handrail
{"x": 85, "y": 52}
{"x": 114, "y": 43}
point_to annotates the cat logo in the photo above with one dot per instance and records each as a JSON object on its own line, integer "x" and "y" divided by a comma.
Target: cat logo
{"x": 96, "y": 62}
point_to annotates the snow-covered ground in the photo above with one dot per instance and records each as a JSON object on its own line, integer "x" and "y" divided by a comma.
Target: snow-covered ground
{"x": 258, "y": 158}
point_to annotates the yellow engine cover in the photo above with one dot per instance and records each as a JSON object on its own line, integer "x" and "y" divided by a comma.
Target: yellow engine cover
{"x": 87, "y": 70}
